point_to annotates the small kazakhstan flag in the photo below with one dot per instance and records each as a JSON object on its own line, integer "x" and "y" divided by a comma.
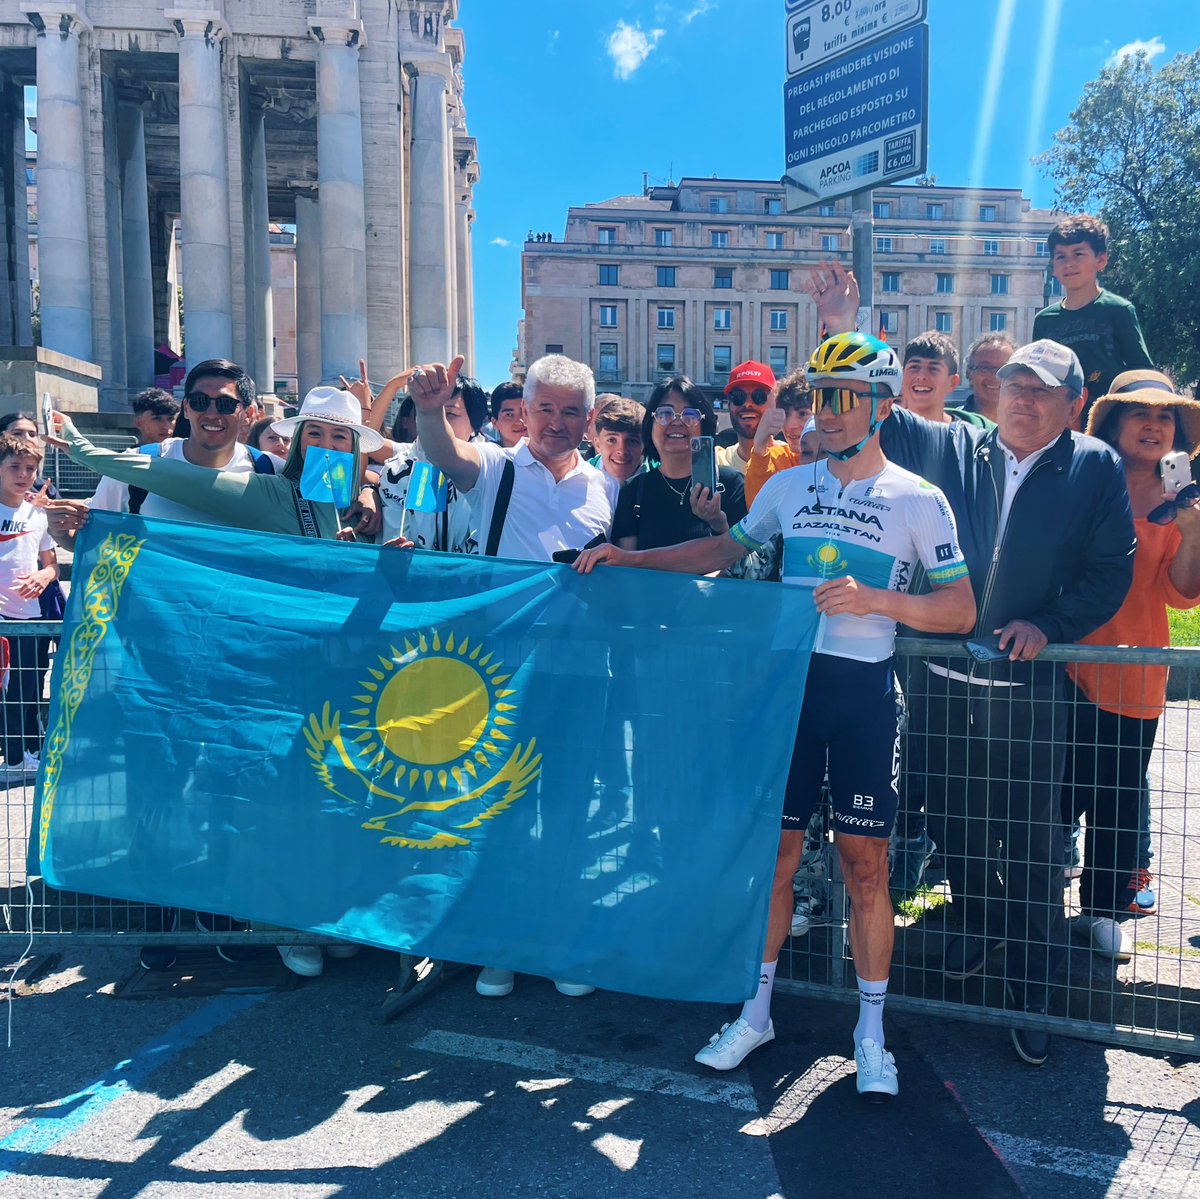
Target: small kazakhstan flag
{"x": 326, "y": 477}
{"x": 427, "y": 489}
{"x": 471, "y": 758}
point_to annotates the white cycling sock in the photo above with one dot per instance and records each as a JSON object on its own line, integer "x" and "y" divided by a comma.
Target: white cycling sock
{"x": 870, "y": 1011}
{"x": 757, "y": 1011}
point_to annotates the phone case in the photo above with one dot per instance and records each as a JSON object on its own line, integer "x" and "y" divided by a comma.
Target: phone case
{"x": 1176, "y": 471}
{"x": 704, "y": 463}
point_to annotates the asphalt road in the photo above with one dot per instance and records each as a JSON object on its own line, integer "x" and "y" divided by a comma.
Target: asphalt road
{"x": 303, "y": 1092}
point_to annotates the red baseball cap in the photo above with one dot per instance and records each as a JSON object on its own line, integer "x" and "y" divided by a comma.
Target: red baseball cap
{"x": 754, "y": 374}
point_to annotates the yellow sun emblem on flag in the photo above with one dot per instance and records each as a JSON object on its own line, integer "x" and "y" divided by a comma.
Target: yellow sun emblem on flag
{"x": 827, "y": 561}
{"x": 433, "y": 731}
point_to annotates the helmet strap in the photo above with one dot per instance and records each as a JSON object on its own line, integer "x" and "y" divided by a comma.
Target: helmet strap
{"x": 846, "y": 455}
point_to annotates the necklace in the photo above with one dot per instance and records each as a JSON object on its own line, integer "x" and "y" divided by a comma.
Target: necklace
{"x": 687, "y": 486}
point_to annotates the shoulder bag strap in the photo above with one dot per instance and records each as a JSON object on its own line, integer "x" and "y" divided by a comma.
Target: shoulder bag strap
{"x": 308, "y": 523}
{"x": 500, "y": 508}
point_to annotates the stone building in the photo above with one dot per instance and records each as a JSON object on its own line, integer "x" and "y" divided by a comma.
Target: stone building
{"x": 342, "y": 118}
{"x": 697, "y": 276}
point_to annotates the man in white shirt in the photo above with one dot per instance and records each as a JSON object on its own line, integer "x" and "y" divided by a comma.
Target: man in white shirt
{"x": 555, "y": 502}
{"x": 558, "y": 501}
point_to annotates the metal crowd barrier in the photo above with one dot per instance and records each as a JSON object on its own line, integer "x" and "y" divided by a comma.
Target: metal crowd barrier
{"x": 1151, "y": 1000}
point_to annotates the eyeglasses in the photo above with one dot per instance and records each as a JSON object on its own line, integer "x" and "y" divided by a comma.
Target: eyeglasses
{"x": 838, "y": 399}
{"x": 226, "y": 405}
{"x": 667, "y": 415}
{"x": 1166, "y": 512}
{"x": 758, "y": 397}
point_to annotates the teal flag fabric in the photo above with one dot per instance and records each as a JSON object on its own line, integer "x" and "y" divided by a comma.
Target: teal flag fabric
{"x": 481, "y": 760}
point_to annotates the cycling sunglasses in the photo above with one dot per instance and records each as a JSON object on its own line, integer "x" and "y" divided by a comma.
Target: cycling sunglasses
{"x": 226, "y": 405}
{"x": 838, "y": 399}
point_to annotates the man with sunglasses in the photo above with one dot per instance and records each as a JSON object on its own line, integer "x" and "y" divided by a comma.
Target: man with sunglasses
{"x": 747, "y": 392}
{"x": 855, "y": 530}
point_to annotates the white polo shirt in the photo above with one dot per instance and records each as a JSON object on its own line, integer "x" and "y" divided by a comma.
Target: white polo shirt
{"x": 543, "y": 515}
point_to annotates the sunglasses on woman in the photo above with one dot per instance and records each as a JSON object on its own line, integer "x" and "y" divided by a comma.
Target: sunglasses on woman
{"x": 666, "y": 415}
{"x": 1166, "y": 512}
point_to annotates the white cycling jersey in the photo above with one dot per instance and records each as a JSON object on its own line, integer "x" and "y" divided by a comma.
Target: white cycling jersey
{"x": 875, "y": 530}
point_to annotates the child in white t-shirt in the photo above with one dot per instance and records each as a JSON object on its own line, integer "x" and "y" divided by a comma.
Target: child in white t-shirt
{"x": 27, "y": 567}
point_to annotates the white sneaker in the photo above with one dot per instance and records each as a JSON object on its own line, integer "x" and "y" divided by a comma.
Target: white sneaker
{"x": 31, "y": 763}
{"x": 342, "y": 949}
{"x": 876, "y": 1069}
{"x": 494, "y": 983}
{"x": 1106, "y": 936}
{"x": 306, "y": 960}
{"x": 574, "y": 989}
{"x": 801, "y": 920}
{"x": 729, "y": 1047}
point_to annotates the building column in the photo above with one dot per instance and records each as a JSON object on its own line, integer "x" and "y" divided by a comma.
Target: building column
{"x": 64, "y": 252}
{"x": 340, "y": 197}
{"x": 466, "y": 175}
{"x": 114, "y": 388}
{"x": 464, "y": 218}
{"x": 430, "y": 232}
{"x": 259, "y": 256}
{"x": 308, "y": 288}
{"x": 135, "y": 238}
{"x": 203, "y": 187}
{"x": 15, "y": 328}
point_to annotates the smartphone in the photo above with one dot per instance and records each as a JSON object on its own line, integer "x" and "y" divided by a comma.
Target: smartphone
{"x": 704, "y": 463}
{"x": 1176, "y": 471}
{"x": 986, "y": 649}
{"x": 47, "y": 417}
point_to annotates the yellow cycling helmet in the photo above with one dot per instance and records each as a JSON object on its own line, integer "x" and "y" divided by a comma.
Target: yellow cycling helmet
{"x": 857, "y": 356}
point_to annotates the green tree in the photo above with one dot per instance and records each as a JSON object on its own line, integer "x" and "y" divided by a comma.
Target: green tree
{"x": 1131, "y": 153}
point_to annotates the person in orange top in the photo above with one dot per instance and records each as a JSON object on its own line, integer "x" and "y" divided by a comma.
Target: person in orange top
{"x": 788, "y": 410}
{"x": 1116, "y": 708}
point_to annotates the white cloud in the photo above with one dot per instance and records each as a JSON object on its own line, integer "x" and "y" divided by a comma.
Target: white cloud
{"x": 1152, "y": 49}
{"x": 552, "y": 41}
{"x": 499, "y": 241}
{"x": 629, "y": 46}
{"x": 698, "y": 9}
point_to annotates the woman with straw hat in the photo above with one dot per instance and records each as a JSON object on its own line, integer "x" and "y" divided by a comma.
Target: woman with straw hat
{"x": 1115, "y": 708}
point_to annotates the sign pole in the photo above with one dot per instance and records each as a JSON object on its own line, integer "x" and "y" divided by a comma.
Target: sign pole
{"x": 862, "y": 227}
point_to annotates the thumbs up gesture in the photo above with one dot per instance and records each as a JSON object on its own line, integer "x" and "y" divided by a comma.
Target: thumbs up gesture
{"x": 770, "y": 424}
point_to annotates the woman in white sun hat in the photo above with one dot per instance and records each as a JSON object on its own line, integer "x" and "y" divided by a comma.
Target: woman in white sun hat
{"x": 329, "y": 418}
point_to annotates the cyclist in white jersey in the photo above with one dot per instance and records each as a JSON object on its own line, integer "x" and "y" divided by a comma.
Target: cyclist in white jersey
{"x": 854, "y": 529}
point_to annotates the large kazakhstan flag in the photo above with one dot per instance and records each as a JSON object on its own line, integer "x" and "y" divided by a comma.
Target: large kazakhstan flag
{"x": 476, "y": 759}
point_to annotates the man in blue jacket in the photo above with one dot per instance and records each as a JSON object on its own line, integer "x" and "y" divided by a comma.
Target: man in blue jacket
{"x": 1045, "y": 527}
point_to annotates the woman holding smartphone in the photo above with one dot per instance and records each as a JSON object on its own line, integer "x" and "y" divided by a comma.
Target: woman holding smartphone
{"x": 1115, "y": 708}
{"x": 662, "y": 507}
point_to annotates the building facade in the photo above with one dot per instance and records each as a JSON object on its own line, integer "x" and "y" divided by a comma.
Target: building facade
{"x": 697, "y": 276}
{"x": 342, "y": 120}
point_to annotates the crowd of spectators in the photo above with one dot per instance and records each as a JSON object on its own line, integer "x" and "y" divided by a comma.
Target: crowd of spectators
{"x": 1045, "y": 532}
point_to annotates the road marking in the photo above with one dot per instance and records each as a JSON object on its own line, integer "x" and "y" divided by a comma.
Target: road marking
{"x": 1118, "y": 1173}
{"x": 623, "y": 1075}
{"x": 54, "y": 1122}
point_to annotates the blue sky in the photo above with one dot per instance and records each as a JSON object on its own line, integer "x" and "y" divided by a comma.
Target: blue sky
{"x": 571, "y": 100}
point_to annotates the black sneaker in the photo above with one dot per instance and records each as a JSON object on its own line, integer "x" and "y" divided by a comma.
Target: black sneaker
{"x": 159, "y": 957}
{"x": 1032, "y": 1044}
{"x": 965, "y": 955}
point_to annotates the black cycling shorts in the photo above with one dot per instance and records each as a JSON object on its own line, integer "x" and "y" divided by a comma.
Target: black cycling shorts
{"x": 849, "y": 726}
